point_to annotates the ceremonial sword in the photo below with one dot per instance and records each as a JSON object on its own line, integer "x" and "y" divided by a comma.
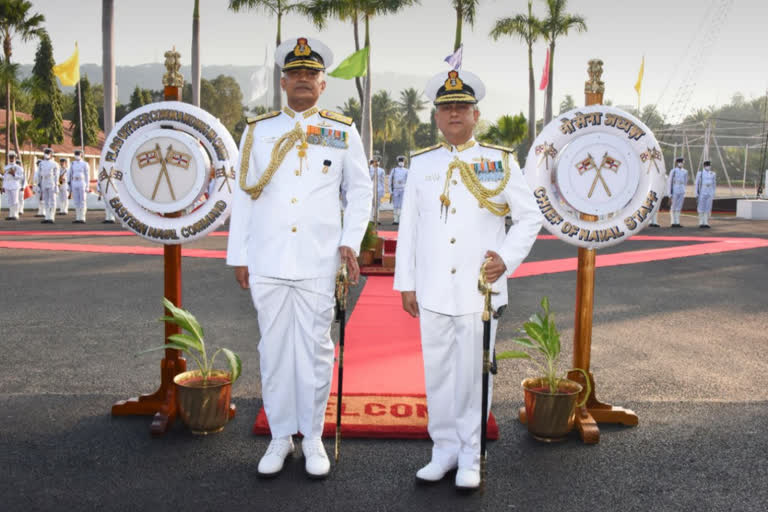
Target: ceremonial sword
{"x": 342, "y": 287}
{"x": 487, "y": 290}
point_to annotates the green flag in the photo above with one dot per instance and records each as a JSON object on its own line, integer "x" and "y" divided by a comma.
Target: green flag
{"x": 353, "y": 66}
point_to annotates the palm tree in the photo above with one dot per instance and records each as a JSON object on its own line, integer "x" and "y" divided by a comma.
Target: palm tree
{"x": 508, "y": 131}
{"x": 557, "y": 23}
{"x": 108, "y": 62}
{"x": 319, "y": 10}
{"x": 16, "y": 20}
{"x": 9, "y": 78}
{"x": 196, "y": 54}
{"x": 385, "y": 119}
{"x": 465, "y": 11}
{"x": 351, "y": 108}
{"x": 279, "y": 8}
{"x": 30, "y": 135}
{"x": 528, "y": 28}
{"x": 410, "y": 104}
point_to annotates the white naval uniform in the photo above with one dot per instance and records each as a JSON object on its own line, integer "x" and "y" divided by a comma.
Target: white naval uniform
{"x": 397, "y": 179}
{"x": 655, "y": 216}
{"x": 79, "y": 180}
{"x": 63, "y": 190}
{"x": 440, "y": 260}
{"x": 704, "y": 188}
{"x": 22, "y": 180}
{"x": 380, "y": 186}
{"x": 48, "y": 180}
{"x": 678, "y": 178}
{"x": 36, "y": 189}
{"x": 289, "y": 239}
{"x": 11, "y": 184}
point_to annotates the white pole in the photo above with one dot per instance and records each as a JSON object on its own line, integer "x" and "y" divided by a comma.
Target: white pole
{"x": 744, "y": 178}
{"x": 80, "y": 108}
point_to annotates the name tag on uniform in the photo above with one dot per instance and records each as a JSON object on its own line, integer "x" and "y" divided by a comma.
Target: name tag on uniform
{"x": 322, "y": 136}
{"x": 489, "y": 170}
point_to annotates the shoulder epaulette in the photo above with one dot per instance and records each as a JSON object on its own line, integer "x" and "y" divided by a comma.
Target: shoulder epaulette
{"x": 425, "y": 150}
{"x": 268, "y": 115}
{"x": 494, "y": 146}
{"x": 335, "y": 116}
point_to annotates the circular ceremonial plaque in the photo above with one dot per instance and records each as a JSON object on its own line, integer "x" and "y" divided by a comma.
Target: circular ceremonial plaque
{"x": 156, "y": 171}
{"x": 597, "y": 174}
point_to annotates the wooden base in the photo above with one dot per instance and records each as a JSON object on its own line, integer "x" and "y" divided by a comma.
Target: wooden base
{"x": 594, "y": 412}
{"x": 161, "y": 403}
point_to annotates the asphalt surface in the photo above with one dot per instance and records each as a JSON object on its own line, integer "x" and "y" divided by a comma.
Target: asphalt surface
{"x": 681, "y": 342}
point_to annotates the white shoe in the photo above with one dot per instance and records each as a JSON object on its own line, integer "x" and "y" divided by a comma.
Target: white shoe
{"x": 467, "y": 478}
{"x": 272, "y": 462}
{"x": 433, "y": 472}
{"x": 317, "y": 464}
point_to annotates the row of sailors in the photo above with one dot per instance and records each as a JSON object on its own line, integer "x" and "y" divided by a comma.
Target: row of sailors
{"x": 397, "y": 179}
{"x": 705, "y": 185}
{"x": 54, "y": 184}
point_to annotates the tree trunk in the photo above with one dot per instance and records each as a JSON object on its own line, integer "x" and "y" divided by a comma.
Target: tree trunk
{"x": 358, "y": 82}
{"x": 196, "y": 55}
{"x": 531, "y": 99}
{"x": 459, "y": 20}
{"x": 277, "y": 97}
{"x": 108, "y": 62}
{"x": 367, "y": 127}
{"x": 15, "y": 129}
{"x": 7, "y": 118}
{"x": 550, "y": 83}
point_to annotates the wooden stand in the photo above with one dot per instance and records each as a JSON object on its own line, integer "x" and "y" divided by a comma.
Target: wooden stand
{"x": 594, "y": 411}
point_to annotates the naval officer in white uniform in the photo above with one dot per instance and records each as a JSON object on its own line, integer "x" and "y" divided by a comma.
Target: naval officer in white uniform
{"x": 48, "y": 181}
{"x": 456, "y": 200}
{"x": 678, "y": 178}
{"x": 79, "y": 181}
{"x": 397, "y": 179}
{"x": 704, "y": 189}
{"x": 286, "y": 242}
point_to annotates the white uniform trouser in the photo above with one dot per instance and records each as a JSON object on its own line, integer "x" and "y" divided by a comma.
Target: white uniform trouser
{"x": 108, "y": 213}
{"x": 704, "y": 207}
{"x": 453, "y": 357}
{"x": 397, "y": 201}
{"x": 63, "y": 200}
{"x": 49, "y": 202}
{"x": 78, "y": 199}
{"x": 13, "y": 203}
{"x": 296, "y": 351}
{"x": 676, "y": 205}
{"x": 20, "y": 207}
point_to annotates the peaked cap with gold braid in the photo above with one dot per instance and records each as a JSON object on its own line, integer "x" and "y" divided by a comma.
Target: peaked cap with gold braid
{"x": 455, "y": 86}
{"x": 303, "y": 53}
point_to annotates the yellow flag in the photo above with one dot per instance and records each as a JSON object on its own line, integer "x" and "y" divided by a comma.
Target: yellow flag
{"x": 639, "y": 83}
{"x": 69, "y": 70}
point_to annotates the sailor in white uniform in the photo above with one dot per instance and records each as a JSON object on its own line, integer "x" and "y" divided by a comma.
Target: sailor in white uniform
{"x": 79, "y": 180}
{"x": 11, "y": 181}
{"x": 456, "y": 200}
{"x": 286, "y": 242}
{"x": 64, "y": 191}
{"x": 704, "y": 188}
{"x": 678, "y": 178}
{"x": 397, "y": 179}
{"x": 378, "y": 178}
{"x": 48, "y": 182}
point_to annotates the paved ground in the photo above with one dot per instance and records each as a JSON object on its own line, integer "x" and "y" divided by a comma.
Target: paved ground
{"x": 682, "y": 342}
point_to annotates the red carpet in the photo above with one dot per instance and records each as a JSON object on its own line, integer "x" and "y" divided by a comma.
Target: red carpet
{"x": 383, "y": 372}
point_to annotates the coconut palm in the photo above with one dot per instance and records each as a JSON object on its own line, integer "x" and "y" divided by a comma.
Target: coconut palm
{"x": 279, "y": 8}
{"x": 108, "y": 62}
{"x": 528, "y": 28}
{"x": 320, "y": 10}
{"x": 410, "y": 104}
{"x": 384, "y": 120}
{"x": 507, "y": 131}
{"x": 196, "y": 54}
{"x": 351, "y": 108}
{"x": 9, "y": 73}
{"x": 16, "y": 19}
{"x": 557, "y": 23}
{"x": 465, "y": 11}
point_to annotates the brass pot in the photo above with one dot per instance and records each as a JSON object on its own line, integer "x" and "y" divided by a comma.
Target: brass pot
{"x": 203, "y": 408}
{"x": 550, "y": 417}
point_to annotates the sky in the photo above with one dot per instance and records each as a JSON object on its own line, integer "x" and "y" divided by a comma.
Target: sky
{"x": 673, "y": 35}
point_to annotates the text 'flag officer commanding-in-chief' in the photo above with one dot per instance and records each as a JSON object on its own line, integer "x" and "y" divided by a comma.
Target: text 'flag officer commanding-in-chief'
{"x": 286, "y": 241}
{"x": 453, "y": 219}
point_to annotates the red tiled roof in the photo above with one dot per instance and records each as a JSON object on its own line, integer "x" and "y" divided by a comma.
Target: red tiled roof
{"x": 66, "y": 147}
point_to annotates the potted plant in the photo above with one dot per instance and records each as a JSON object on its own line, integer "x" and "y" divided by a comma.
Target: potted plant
{"x": 550, "y": 399}
{"x": 368, "y": 245}
{"x": 202, "y": 395}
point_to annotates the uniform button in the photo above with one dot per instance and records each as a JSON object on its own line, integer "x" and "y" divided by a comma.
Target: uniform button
{"x": 453, "y": 210}
{"x": 293, "y": 229}
{"x": 453, "y": 271}
{"x": 293, "y": 200}
{"x": 453, "y": 240}
{"x": 298, "y": 172}
{"x": 454, "y": 182}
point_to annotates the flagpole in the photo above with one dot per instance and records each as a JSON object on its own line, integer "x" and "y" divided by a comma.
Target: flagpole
{"x": 80, "y": 109}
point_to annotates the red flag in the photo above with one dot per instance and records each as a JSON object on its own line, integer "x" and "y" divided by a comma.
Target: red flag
{"x": 545, "y": 74}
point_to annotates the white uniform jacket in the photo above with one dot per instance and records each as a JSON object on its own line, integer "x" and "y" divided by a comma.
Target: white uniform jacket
{"x": 705, "y": 183}
{"x": 397, "y": 178}
{"x": 382, "y": 176}
{"x": 678, "y": 178}
{"x": 48, "y": 175}
{"x": 78, "y": 175}
{"x": 440, "y": 259}
{"x": 15, "y": 182}
{"x": 293, "y": 230}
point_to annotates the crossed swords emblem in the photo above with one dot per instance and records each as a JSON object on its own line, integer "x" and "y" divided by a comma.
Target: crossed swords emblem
{"x": 172, "y": 157}
{"x": 588, "y": 164}
{"x": 653, "y": 155}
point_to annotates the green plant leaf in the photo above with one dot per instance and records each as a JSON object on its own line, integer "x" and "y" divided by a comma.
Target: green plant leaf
{"x": 235, "y": 365}
{"x": 545, "y": 304}
{"x": 524, "y": 342}
{"x": 534, "y": 331}
{"x": 184, "y": 319}
{"x": 175, "y": 346}
{"x": 513, "y": 354}
{"x": 191, "y": 342}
